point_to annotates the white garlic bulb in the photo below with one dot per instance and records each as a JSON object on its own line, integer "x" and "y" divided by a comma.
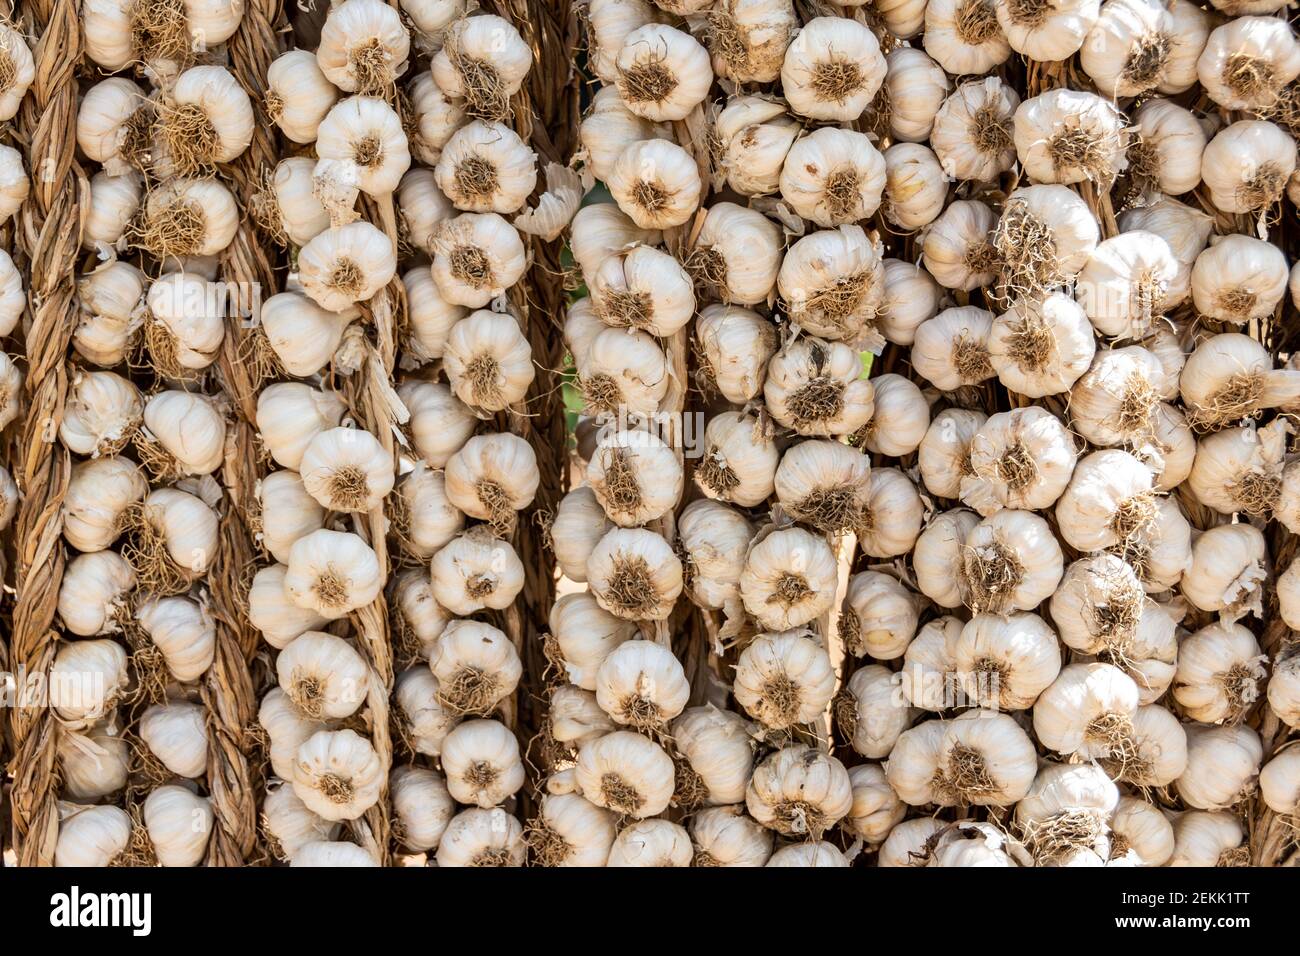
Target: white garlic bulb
{"x": 789, "y": 579}
{"x": 585, "y": 634}
{"x": 656, "y": 183}
{"x": 916, "y": 186}
{"x": 739, "y": 462}
{"x": 1117, "y": 399}
{"x": 481, "y": 761}
{"x": 642, "y": 684}
{"x": 816, "y": 388}
{"x": 188, "y": 430}
{"x": 1219, "y": 670}
{"x": 298, "y": 212}
{"x": 204, "y": 118}
{"x": 1088, "y": 710}
{"x": 943, "y": 456}
{"x": 1246, "y": 166}
{"x": 911, "y": 296}
{"x": 349, "y": 264}
{"x": 627, "y": 773}
{"x": 101, "y": 415}
{"x": 957, "y": 249}
{"x": 1238, "y": 279}
{"x": 832, "y": 283}
{"x": 662, "y": 73}
{"x": 332, "y": 573}
{"x": 184, "y": 633}
{"x": 1231, "y": 376}
{"x": 428, "y": 518}
{"x": 1054, "y": 32}
{"x": 784, "y": 679}
{"x": 303, "y": 335}
{"x": 288, "y": 822}
{"x": 971, "y": 130}
{"x": 493, "y": 477}
{"x": 869, "y": 713}
{"x": 1041, "y": 348}
{"x": 939, "y": 557}
{"x": 635, "y": 477}
{"x": 92, "y": 836}
{"x": 1044, "y": 236}
{"x": 1247, "y": 61}
{"x": 323, "y": 675}
{"x": 484, "y": 61}
{"x": 114, "y": 201}
{"x": 346, "y": 470}
{"x": 363, "y": 46}
{"x": 951, "y": 350}
{"x": 1139, "y": 830}
{"x": 725, "y": 836}
{"x": 419, "y": 613}
{"x": 580, "y": 521}
{"x": 1022, "y": 459}
{"x": 1005, "y": 663}
{"x": 832, "y": 70}
{"x": 634, "y": 574}
{"x": 428, "y": 722}
{"x": 86, "y": 681}
{"x": 1207, "y": 839}
{"x": 337, "y": 774}
{"x": 1279, "y": 782}
{"x": 477, "y": 257}
{"x": 879, "y": 616}
{"x": 571, "y": 831}
{"x": 576, "y": 717}
{"x": 1222, "y": 766}
{"x": 1012, "y": 561}
{"x": 1109, "y": 502}
{"x": 99, "y": 493}
{"x": 478, "y": 837}
{"x": 799, "y": 792}
{"x": 94, "y": 761}
{"x": 643, "y": 288}
{"x": 93, "y": 594}
{"x": 833, "y": 176}
{"x": 737, "y": 254}
{"x": 436, "y": 117}
{"x": 187, "y": 324}
{"x": 290, "y": 415}
{"x": 179, "y": 824}
{"x": 1169, "y": 147}
{"x": 1066, "y": 812}
{"x": 623, "y": 368}
{"x": 440, "y": 422}
{"x": 755, "y": 135}
{"x": 823, "y": 483}
{"x": 298, "y": 94}
{"x": 736, "y": 345}
{"x": 187, "y": 217}
{"x": 928, "y": 680}
{"x": 476, "y": 570}
{"x": 175, "y": 540}
{"x": 1128, "y": 282}
{"x": 176, "y": 735}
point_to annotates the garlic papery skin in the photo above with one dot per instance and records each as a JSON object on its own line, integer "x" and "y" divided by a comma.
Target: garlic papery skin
{"x": 1100, "y": 608}
{"x": 1067, "y": 811}
{"x": 1169, "y": 146}
{"x": 477, "y": 257}
{"x": 585, "y": 634}
{"x": 823, "y": 483}
{"x": 323, "y": 675}
{"x": 971, "y": 131}
{"x": 290, "y": 415}
{"x": 634, "y": 574}
{"x": 476, "y": 570}
{"x": 1184, "y": 229}
{"x": 102, "y": 413}
{"x": 1067, "y": 136}
{"x": 928, "y": 680}
{"x": 187, "y": 324}
{"x": 483, "y": 61}
{"x": 476, "y": 666}
{"x": 1140, "y": 833}
{"x": 1220, "y": 668}
{"x": 303, "y": 335}
{"x": 1011, "y": 562}
{"x": 478, "y": 837}
{"x": 1109, "y": 502}
{"x": 879, "y": 616}
{"x": 911, "y": 296}
{"x": 1043, "y": 238}
{"x": 428, "y": 518}
{"x": 493, "y": 477}
{"x": 832, "y": 283}
{"x": 789, "y": 579}
{"x": 900, "y": 420}
{"x": 298, "y": 94}
{"x": 1229, "y": 377}
{"x": 833, "y": 176}
{"x": 87, "y": 679}
{"x": 1239, "y": 279}
{"x": 94, "y": 593}
{"x": 1054, "y": 33}
{"x": 799, "y": 792}
{"x": 662, "y": 73}
{"x": 580, "y": 521}
{"x": 1247, "y": 61}
{"x": 300, "y": 213}
{"x": 964, "y": 36}
{"x": 641, "y": 684}
{"x": 1041, "y": 348}
{"x": 363, "y": 46}
{"x": 943, "y": 456}
{"x": 99, "y": 493}
{"x": 643, "y": 288}
{"x": 891, "y": 518}
{"x": 635, "y": 477}
{"x": 957, "y": 248}
{"x": 571, "y": 831}
{"x": 736, "y": 344}
{"x": 916, "y": 87}
{"x": 289, "y": 823}
{"x": 1246, "y": 166}
{"x": 652, "y": 843}
{"x": 485, "y": 167}
{"x": 188, "y": 430}
{"x": 755, "y": 134}
{"x": 1116, "y": 401}
{"x": 876, "y": 808}
{"x": 92, "y": 836}
{"x": 1279, "y": 783}
{"x": 576, "y": 718}
{"x": 174, "y": 540}
{"x": 737, "y": 254}
{"x": 1207, "y": 839}
{"x": 820, "y": 853}
{"x": 1154, "y": 753}
{"x": 915, "y": 186}
{"x": 715, "y": 756}
{"x": 112, "y": 124}
{"x": 951, "y": 350}
{"x": 656, "y": 183}
{"x": 440, "y": 422}
{"x": 481, "y": 761}
{"x": 784, "y": 679}
{"x": 175, "y": 733}
{"x": 1005, "y": 663}
{"x": 332, "y": 573}
{"x": 337, "y": 774}
{"x": 627, "y": 773}
{"x": 908, "y": 842}
{"x": 1022, "y": 459}
{"x": 1222, "y": 766}
{"x": 187, "y": 217}
{"x": 204, "y": 118}
{"x": 832, "y": 70}
{"x": 739, "y": 462}
{"x": 623, "y": 369}
{"x": 816, "y": 388}
{"x": 419, "y": 615}
{"x": 981, "y": 758}
{"x": 488, "y": 360}
{"x": 725, "y": 836}
{"x": 1127, "y": 283}
{"x": 184, "y": 633}
{"x": 346, "y": 265}
{"x": 868, "y": 711}
{"x": 1088, "y": 710}
{"x": 179, "y": 824}
{"x": 939, "y": 557}
{"x": 749, "y": 38}
{"x": 114, "y": 201}
{"x": 609, "y": 126}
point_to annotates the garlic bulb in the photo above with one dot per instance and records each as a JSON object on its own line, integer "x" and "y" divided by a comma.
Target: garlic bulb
{"x": 476, "y": 570}
{"x": 789, "y": 579}
{"x": 436, "y": 117}
{"x": 1279, "y": 782}
{"x": 431, "y": 317}
{"x": 428, "y": 722}
{"x": 204, "y": 118}
{"x": 1067, "y": 136}
{"x": 901, "y": 418}
{"x": 737, "y": 254}
{"x": 609, "y": 126}
{"x": 179, "y": 824}
{"x": 585, "y": 634}
{"x": 340, "y": 267}
{"x": 483, "y": 61}
{"x": 1117, "y": 399}
{"x": 1284, "y": 690}
{"x": 1184, "y": 229}
{"x": 1241, "y": 469}
{"x": 419, "y": 614}
{"x": 823, "y": 483}
{"x": 1011, "y": 561}
{"x": 113, "y": 123}
{"x": 94, "y": 761}
{"x": 101, "y": 416}
{"x": 298, "y": 94}
{"x": 736, "y": 345}
{"x": 287, "y": 728}
{"x": 891, "y": 519}
{"x": 440, "y": 423}
{"x": 1219, "y": 670}
{"x": 429, "y": 520}
{"x": 928, "y": 679}
{"x": 1246, "y": 166}
{"x": 100, "y": 491}
{"x": 831, "y": 282}
{"x": 784, "y": 679}
{"x": 943, "y": 456}
{"x": 492, "y": 478}
{"x": 1169, "y": 147}
{"x": 174, "y": 540}
{"x": 1040, "y": 348}
{"x": 580, "y": 521}
{"x": 1229, "y": 377}
{"x": 715, "y": 757}
{"x": 87, "y": 679}
{"x": 755, "y": 135}
{"x": 602, "y": 229}
{"x": 915, "y": 186}
{"x": 833, "y": 176}
{"x": 1052, "y": 32}
{"x": 971, "y": 131}
{"x": 1128, "y": 46}
{"x": 93, "y": 836}
{"x": 289, "y": 824}
{"x": 656, "y": 843}
{"x": 1043, "y": 238}
{"x": 908, "y": 842}
{"x": 186, "y": 431}
{"x": 1005, "y": 663}
{"x": 868, "y": 712}
{"x": 1139, "y": 830}
{"x": 635, "y": 477}
{"x": 1207, "y": 839}
{"x": 114, "y": 201}
{"x": 1088, "y": 710}
{"x": 423, "y": 207}
{"x": 485, "y": 167}
{"x": 94, "y": 593}
{"x": 957, "y": 248}
{"x": 916, "y": 87}
{"x": 187, "y": 325}
{"x": 642, "y": 684}
{"x": 332, "y": 573}
{"x": 749, "y": 38}
{"x": 1109, "y": 502}
{"x": 634, "y": 575}
{"x": 876, "y": 808}
{"x": 832, "y": 70}
{"x": 951, "y": 350}
{"x": 1067, "y": 811}
{"x": 571, "y": 831}
{"x": 656, "y": 183}
{"x": 739, "y": 462}
{"x": 323, "y": 675}
{"x": 363, "y": 46}
{"x": 1222, "y": 766}
{"x": 576, "y": 717}
{"x": 608, "y": 23}
{"x": 187, "y": 217}
{"x": 477, "y": 257}
{"x": 303, "y": 336}
{"x": 809, "y": 854}
{"x": 879, "y": 616}
{"x": 1022, "y": 459}
{"x": 346, "y": 470}
{"x": 964, "y": 36}
{"x": 488, "y": 360}
{"x": 482, "y": 764}
{"x": 1247, "y": 61}
{"x": 627, "y": 773}
{"x": 337, "y": 774}
{"x": 662, "y": 73}
{"x": 816, "y": 388}
{"x": 980, "y": 758}
{"x": 725, "y": 836}
{"x": 800, "y": 792}
{"x": 176, "y": 735}
{"x": 623, "y": 368}
{"x": 1239, "y": 279}
{"x": 643, "y": 288}
{"x": 1127, "y": 283}
{"x": 911, "y": 296}
{"x": 478, "y": 837}
{"x": 939, "y": 557}
{"x": 184, "y": 633}
{"x": 291, "y": 203}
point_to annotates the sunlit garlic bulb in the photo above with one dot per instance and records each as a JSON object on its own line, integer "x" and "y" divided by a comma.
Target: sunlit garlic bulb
{"x": 1066, "y": 136}
{"x": 291, "y": 202}
{"x": 332, "y": 573}
{"x": 957, "y": 248}
{"x": 343, "y": 266}
{"x": 784, "y": 679}
{"x": 725, "y": 836}
{"x": 1043, "y": 238}
{"x": 1229, "y": 377}
{"x": 1019, "y": 459}
{"x": 788, "y": 579}
{"x": 92, "y": 836}
{"x": 488, "y": 360}
{"x": 951, "y": 350}
{"x": 186, "y": 327}
{"x": 1222, "y": 766}
{"x": 114, "y": 201}
{"x": 879, "y": 616}
{"x": 815, "y": 387}
{"x": 476, "y": 570}
{"x": 113, "y": 123}
{"x": 571, "y": 831}
{"x": 1241, "y": 469}
{"x": 635, "y": 476}
{"x": 739, "y": 461}
{"x": 204, "y": 118}
{"x": 1239, "y": 279}
{"x": 643, "y": 288}
{"x": 477, "y": 257}
{"x": 482, "y": 838}
{"x": 1227, "y": 571}
{"x": 799, "y": 792}
{"x": 363, "y": 46}
{"x": 641, "y": 684}
{"x": 736, "y": 345}
{"x": 627, "y": 773}
{"x": 323, "y": 675}
{"x": 99, "y": 494}
{"x": 87, "y": 679}
{"x": 1128, "y": 47}
{"x": 832, "y": 70}
{"x": 915, "y": 186}
{"x": 481, "y": 761}
{"x": 823, "y": 483}
{"x": 971, "y": 132}
{"x": 1089, "y": 711}
{"x": 178, "y": 824}
{"x": 1011, "y": 561}
{"x": 1247, "y": 61}
{"x": 911, "y": 296}
{"x": 656, "y": 183}
{"x": 1054, "y": 31}
{"x": 485, "y": 167}
{"x": 483, "y": 61}
{"x": 436, "y": 116}
{"x": 187, "y": 217}
{"x": 1041, "y": 348}
{"x": 1128, "y": 282}
{"x": 833, "y": 176}
{"x": 337, "y": 774}
{"x": 916, "y": 88}
{"x": 1006, "y": 662}
{"x": 1246, "y": 166}
{"x": 943, "y": 456}
{"x": 1067, "y": 812}
{"x": 94, "y": 593}
{"x": 1219, "y": 672}
{"x": 346, "y": 470}
{"x": 869, "y": 713}
{"x": 662, "y": 73}
{"x": 748, "y": 38}
{"x": 635, "y": 575}
{"x": 964, "y": 36}
{"x": 290, "y": 415}
{"x": 584, "y": 635}
{"x": 1117, "y": 399}
{"x": 737, "y": 254}
{"x": 832, "y": 283}
{"x": 1167, "y": 151}
{"x": 755, "y": 135}
{"x": 576, "y": 718}
{"x": 652, "y": 843}
{"x": 492, "y": 477}
{"x": 298, "y": 94}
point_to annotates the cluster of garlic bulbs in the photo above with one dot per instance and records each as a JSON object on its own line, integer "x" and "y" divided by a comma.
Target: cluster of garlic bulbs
{"x": 1049, "y": 515}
